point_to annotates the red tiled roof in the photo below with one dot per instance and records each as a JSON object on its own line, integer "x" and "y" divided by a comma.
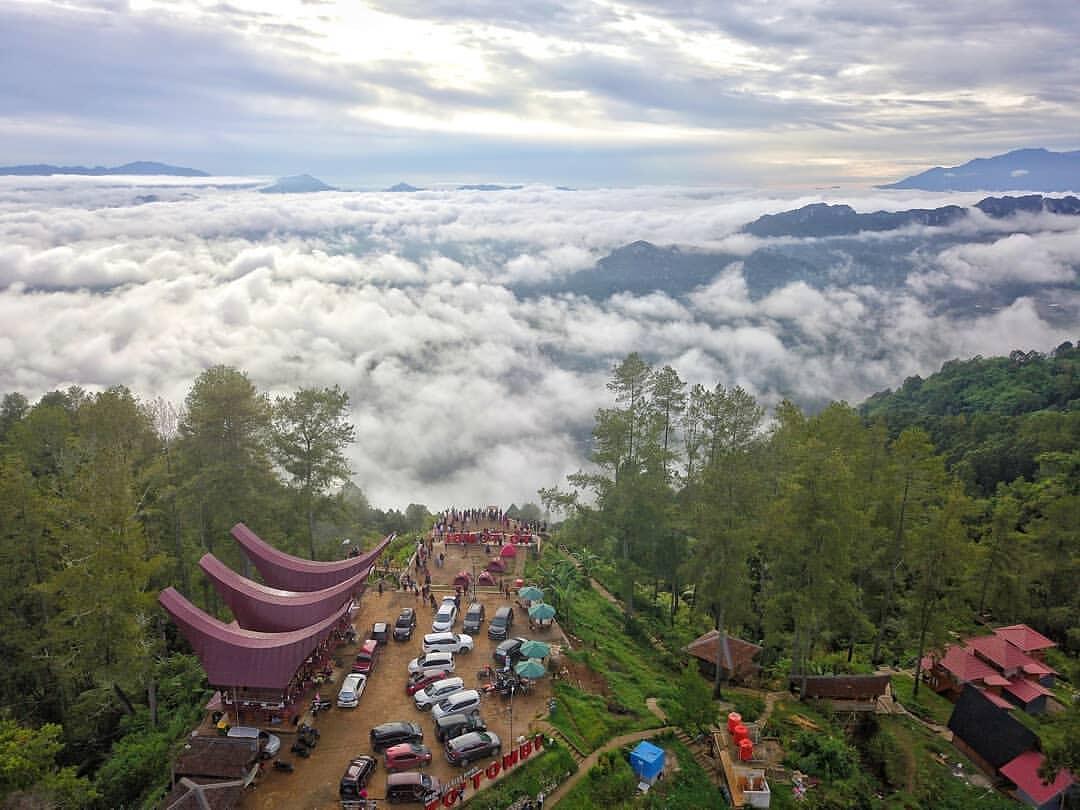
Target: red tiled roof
{"x": 1038, "y": 669}
{"x": 998, "y": 700}
{"x": 964, "y": 666}
{"x": 1024, "y": 773}
{"x": 1025, "y": 690}
{"x": 996, "y": 680}
{"x": 999, "y": 652}
{"x": 707, "y": 648}
{"x": 1023, "y": 637}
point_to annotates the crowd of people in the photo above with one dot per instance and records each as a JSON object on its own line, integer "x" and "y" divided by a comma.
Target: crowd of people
{"x": 454, "y": 520}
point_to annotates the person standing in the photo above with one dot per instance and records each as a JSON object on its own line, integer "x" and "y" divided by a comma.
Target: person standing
{"x": 540, "y": 800}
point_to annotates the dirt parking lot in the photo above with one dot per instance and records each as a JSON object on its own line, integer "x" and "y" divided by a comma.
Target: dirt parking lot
{"x": 344, "y": 732}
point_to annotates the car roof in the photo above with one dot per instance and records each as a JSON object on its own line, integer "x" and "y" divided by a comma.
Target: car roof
{"x": 470, "y": 737}
{"x": 441, "y": 634}
{"x": 475, "y": 606}
{"x": 379, "y": 626}
{"x": 406, "y": 612}
{"x": 395, "y": 725}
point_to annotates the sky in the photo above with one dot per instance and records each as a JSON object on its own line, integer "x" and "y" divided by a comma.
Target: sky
{"x": 465, "y": 387}
{"x": 766, "y": 93}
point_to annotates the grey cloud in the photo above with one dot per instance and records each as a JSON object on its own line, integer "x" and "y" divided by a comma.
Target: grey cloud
{"x": 462, "y": 391}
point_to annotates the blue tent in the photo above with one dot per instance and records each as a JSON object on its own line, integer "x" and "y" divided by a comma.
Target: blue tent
{"x": 647, "y": 761}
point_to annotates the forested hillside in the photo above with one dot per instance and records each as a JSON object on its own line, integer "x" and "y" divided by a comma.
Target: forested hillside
{"x": 105, "y": 500}
{"x": 838, "y": 540}
{"x": 992, "y": 417}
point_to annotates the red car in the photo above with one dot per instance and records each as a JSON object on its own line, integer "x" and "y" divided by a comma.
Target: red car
{"x": 420, "y": 681}
{"x": 406, "y": 756}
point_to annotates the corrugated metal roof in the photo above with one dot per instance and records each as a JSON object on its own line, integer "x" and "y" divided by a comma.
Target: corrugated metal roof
{"x": 281, "y": 570}
{"x": 272, "y": 610}
{"x": 1024, "y": 773}
{"x": 234, "y": 657}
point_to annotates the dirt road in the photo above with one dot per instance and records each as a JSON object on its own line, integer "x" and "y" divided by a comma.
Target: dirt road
{"x": 314, "y": 783}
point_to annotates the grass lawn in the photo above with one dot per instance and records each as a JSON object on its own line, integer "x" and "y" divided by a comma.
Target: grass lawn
{"x": 929, "y": 706}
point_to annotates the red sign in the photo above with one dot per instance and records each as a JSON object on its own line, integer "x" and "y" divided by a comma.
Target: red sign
{"x": 492, "y": 771}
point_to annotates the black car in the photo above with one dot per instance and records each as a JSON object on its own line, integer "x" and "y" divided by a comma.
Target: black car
{"x": 405, "y": 624}
{"x": 387, "y": 734}
{"x": 380, "y": 631}
{"x": 510, "y": 648}
{"x": 475, "y": 745}
{"x": 501, "y": 623}
{"x": 474, "y": 618}
{"x": 356, "y": 777}
{"x": 454, "y": 725}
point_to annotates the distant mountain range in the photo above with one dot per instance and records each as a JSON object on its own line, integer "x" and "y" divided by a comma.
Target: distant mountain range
{"x": 139, "y": 167}
{"x": 826, "y": 245}
{"x": 822, "y": 219}
{"x": 487, "y": 187}
{"x": 1020, "y": 170}
{"x": 297, "y": 184}
{"x": 403, "y": 187}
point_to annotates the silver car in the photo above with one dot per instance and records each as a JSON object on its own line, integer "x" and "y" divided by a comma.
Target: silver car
{"x": 438, "y": 691}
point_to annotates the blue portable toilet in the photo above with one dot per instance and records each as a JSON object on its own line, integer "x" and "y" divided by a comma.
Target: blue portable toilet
{"x": 647, "y": 761}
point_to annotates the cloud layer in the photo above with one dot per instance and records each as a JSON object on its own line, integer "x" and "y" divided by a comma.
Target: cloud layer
{"x": 467, "y": 387}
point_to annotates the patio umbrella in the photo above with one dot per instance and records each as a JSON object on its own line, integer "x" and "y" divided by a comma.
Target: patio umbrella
{"x": 508, "y": 551}
{"x": 535, "y": 649}
{"x": 532, "y": 593}
{"x": 542, "y": 611}
{"x": 531, "y": 668}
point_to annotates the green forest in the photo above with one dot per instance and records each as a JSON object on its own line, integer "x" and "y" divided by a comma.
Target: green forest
{"x": 838, "y": 540}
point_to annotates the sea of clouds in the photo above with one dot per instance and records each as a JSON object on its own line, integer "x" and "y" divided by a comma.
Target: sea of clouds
{"x": 466, "y": 387}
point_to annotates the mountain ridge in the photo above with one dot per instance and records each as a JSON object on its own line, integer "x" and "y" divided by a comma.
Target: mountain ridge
{"x": 1035, "y": 169}
{"x": 135, "y": 168}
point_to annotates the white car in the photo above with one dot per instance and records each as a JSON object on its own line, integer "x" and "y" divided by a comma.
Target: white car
{"x": 432, "y": 662}
{"x": 438, "y": 691}
{"x": 351, "y": 690}
{"x": 445, "y": 618}
{"x": 447, "y": 642}
{"x": 459, "y": 702}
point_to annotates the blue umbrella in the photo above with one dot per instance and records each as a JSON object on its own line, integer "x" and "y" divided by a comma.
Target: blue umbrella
{"x": 531, "y": 592}
{"x": 536, "y": 649}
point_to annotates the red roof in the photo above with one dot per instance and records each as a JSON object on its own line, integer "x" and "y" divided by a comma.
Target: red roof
{"x": 998, "y": 700}
{"x": 1024, "y": 773}
{"x": 964, "y": 666}
{"x": 1026, "y": 690}
{"x": 271, "y": 610}
{"x": 281, "y": 570}
{"x": 996, "y": 680}
{"x": 1038, "y": 668}
{"x": 999, "y": 652}
{"x": 233, "y": 657}
{"x": 1024, "y": 638}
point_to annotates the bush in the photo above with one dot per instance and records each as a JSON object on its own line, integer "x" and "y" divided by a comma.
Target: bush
{"x": 821, "y": 755}
{"x": 555, "y": 764}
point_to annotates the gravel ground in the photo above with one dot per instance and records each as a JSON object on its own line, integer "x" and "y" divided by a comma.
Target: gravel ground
{"x": 314, "y": 783}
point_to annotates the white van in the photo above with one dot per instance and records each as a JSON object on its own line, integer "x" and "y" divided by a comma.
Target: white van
{"x": 269, "y": 744}
{"x": 438, "y": 692}
{"x": 459, "y": 702}
{"x": 351, "y": 690}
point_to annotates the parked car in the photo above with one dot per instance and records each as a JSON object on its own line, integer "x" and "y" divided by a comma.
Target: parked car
{"x": 446, "y": 616}
{"x": 422, "y": 680}
{"x": 387, "y": 734}
{"x": 365, "y": 659}
{"x": 433, "y": 662}
{"x": 447, "y": 642}
{"x": 457, "y": 703}
{"x": 351, "y": 690}
{"x": 454, "y": 725}
{"x": 465, "y": 748}
{"x": 511, "y": 648}
{"x": 474, "y": 618}
{"x": 269, "y": 744}
{"x": 412, "y": 786}
{"x": 438, "y": 691}
{"x": 501, "y": 623}
{"x": 405, "y": 624}
{"x": 380, "y": 631}
{"x": 356, "y": 777}
{"x": 404, "y": 756}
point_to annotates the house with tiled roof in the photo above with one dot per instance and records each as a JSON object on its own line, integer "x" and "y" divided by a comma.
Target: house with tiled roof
{"x": 1023, "y": 772}
{"x": 999, "y": 665}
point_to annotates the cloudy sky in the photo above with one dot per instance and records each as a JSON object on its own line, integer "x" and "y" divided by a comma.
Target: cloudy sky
{"x": 468, "y": 385}
{"x": 580, "y": 92}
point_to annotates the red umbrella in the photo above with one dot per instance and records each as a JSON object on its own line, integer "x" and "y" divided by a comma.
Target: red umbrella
{"x": 508, "y": 551}
{"x": 496, "y": 566}
{"x": 462, "y": 579}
